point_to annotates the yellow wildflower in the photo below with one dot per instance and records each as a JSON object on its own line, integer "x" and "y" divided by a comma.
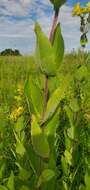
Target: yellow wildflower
{"x": 77, "y": 10}
{"x": 20, "y": 110}
{"x": 13, "y": 116}
{"x": 84, "y": 10}
{"x": 16, "y": 113}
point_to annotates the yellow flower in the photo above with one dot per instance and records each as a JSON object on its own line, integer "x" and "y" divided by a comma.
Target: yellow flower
{"x": 84, "y": 10}
{"x": 88, "y": 6}
{"x": 77, "y": 10}
{"x": 20, "y": 110}
{"x": 16, "y": 113}
{"x": 13, "y": 116}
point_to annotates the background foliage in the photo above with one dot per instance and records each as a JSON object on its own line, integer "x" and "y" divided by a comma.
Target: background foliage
{"x": 18, "y": 167}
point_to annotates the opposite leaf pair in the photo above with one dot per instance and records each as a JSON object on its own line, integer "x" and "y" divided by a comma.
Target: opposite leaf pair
{"x": 49, "y": 56}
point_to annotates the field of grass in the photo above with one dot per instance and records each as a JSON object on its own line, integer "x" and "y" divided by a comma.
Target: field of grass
{"x": 14, "y": 72}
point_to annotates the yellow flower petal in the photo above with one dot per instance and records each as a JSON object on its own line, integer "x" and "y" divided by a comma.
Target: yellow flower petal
{"x": 16, "y": 113}
{"x": 77, "y": 10}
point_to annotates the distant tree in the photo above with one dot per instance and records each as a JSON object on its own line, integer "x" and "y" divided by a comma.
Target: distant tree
{"x": 7, "y": 52}
{"x": 16, "y": 52}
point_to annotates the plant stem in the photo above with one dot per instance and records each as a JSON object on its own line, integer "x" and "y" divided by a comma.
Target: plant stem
{"x": 45, "y": 96}
{"x": 55, "y": 19}
{"x": 54, "y": 23}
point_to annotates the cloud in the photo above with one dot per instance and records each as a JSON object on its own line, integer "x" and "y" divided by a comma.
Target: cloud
{"x": 14, "y": 7}
{"x": 17, "y": 19}
{"x": 21, "y": 7}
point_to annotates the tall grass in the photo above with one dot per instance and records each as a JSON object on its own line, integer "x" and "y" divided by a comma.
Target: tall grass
{"x": 14, "y": 70}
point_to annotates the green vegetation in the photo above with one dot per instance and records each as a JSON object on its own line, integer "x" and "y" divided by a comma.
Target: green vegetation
{"x": 17, "y": 164}
{"x": 13, "y": 70}
{"x": 45, "y": 116}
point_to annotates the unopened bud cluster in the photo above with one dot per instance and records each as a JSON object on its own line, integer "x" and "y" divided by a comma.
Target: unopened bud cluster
{"x": 84, "y": 14}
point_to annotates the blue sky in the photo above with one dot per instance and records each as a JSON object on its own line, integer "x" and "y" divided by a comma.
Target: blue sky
{"x": 72, "y": 2}
{"x": 17, "y": 18}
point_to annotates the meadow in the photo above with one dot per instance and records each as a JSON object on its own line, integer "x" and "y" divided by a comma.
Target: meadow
{"x": 14, "y": 70}
{"x": 45, "y": 112}
{"x": 19, "y": 164}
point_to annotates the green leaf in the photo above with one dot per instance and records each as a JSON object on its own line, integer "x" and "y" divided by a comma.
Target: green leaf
{"x": 82, "y": 187}
{"x": 51, "y": 126}
{"x": 71, "y": 130}
{"x": 87, "y": 181}
{"x": 46, "y": 175}
{"x": 68, "y": 142}
{"x": 45, "y": 56}
{"x": 55, "y": 99}
{"x": 10, "y": 183}
{"x": 19, "y": 146}
{"x": 69, "y": 114}
{"x": 74, "y": 105}
{"x": 2, "y": 170}
{"x": 35, "y": 96}
{"x": 33, "y": 159}
{"x": 23, "y": 173}
{"x": 58, "y": 45}
{"x": 2, "y": 122}
{"x": 81, "y": 73}
{"x": 76, "y": 155}
{"x": 65, "y": 185}
{"x": 50, "y": 131}
{"x": 64, "y": 165}
{"x": 3, "y": 187}
{"x": 57, "y": 4}
{"x": 19, "y": 124}
{"x": 24, "y": 188}
{"x": 39, "y": 140}
{"x": 68, "y": 157}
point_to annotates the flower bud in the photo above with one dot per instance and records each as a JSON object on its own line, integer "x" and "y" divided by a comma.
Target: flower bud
{"x": 57, "y": 4}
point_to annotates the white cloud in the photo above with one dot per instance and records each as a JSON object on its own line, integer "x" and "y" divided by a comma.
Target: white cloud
{"x": 14, "y": 8}
{"x": 17, "y": 24}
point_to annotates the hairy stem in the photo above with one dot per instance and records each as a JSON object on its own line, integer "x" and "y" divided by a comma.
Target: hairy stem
{"x": 45, "y": 96}
{"x": 54, "y": 23}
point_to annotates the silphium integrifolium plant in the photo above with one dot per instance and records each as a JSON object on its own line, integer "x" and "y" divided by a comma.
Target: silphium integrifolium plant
{"x": 84, "y": 14}
{"x": 51, "y": 146}
{"x": 44, "y": 106}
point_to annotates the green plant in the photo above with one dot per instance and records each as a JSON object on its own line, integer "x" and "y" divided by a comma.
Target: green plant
{"x": 84, "y": 14}
{"x": 44, "y": 141}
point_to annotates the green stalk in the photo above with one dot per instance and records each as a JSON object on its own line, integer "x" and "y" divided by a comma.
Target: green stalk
{"x": 54, "y": 24}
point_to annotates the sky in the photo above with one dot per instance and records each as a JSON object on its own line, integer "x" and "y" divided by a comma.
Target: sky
{"x": 17, "y": 19}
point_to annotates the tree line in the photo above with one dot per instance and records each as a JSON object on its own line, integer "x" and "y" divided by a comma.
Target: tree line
{"x": 11, "y": 52}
